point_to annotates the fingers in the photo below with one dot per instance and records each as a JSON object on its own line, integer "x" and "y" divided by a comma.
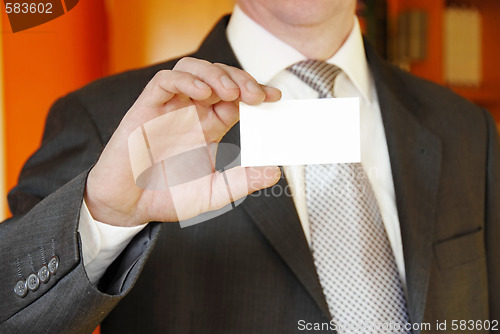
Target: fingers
{"x": 228, "y": 83}
{"x": 217, "y": 86}
{"x": 201, "y": 80}
{"x": 227, "y": 111}
{"x": 215, "y": 77}
{"x": 166, "y": 84}
{"x": 249, "y": 89}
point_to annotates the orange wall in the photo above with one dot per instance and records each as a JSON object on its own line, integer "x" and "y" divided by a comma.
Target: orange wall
{"x": 43, "y": 63}
{"x": 431, "y": 68}
{"x": 156, "y": 30}
{"x": 486, "y": 95}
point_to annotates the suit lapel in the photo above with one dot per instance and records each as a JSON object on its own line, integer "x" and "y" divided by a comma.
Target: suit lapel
{"x": 277, "y": 219}
{"x": 415, "y": 154}
{"x": 215, "y": 48}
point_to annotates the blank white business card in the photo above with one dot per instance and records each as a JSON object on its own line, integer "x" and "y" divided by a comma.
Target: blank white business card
{"x": 300, "y": 132}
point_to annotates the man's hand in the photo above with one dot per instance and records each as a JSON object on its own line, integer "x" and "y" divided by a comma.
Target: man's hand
{"x": 215, "y": 89}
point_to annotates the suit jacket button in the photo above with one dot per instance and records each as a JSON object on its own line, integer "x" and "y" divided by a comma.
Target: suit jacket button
{"x": 33, "y": 282}
{"x": 43, "y": 274}
{"x": 21, "y": 288}
{"x": 53, "y": 265}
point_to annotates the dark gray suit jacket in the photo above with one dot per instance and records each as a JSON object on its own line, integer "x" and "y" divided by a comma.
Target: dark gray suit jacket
{"x": 250, "y": 270}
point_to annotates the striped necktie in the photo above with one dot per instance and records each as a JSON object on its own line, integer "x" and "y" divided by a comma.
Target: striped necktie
{"x": 351, "y": 250}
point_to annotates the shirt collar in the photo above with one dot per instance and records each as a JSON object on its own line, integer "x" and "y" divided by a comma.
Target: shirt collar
{"x": 264, "y": 56}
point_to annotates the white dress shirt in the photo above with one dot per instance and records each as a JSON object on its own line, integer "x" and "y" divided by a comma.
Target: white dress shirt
{"x": 101, "y": 243}
{"x": 266, "y": 58}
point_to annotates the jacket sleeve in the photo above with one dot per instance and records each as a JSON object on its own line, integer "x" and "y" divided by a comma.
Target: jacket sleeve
{"x": 44, "y": 286}
{"x": 493, "y": 219}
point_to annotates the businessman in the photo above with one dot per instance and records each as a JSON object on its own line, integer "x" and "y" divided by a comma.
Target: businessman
{"x": 86, "y": 245}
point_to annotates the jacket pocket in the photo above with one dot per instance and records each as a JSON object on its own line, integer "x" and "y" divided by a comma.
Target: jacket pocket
{"x": 459, "y": 250}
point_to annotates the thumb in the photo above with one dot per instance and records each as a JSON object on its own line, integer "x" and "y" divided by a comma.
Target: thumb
{"x": 242, "y": 181}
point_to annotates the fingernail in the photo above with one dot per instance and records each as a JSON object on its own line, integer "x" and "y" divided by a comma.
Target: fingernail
{"x": 200, "y": 84}
{"x": 253, "y": 87}
{"x": 227, "y": 82}
{"x": 271, "y": 90}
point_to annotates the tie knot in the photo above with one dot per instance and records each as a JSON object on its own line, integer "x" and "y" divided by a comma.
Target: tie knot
{"x": 319, "y": 75}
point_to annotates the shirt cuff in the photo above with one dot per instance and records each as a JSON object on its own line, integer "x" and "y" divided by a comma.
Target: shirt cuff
{"x": 101, "y": 243}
